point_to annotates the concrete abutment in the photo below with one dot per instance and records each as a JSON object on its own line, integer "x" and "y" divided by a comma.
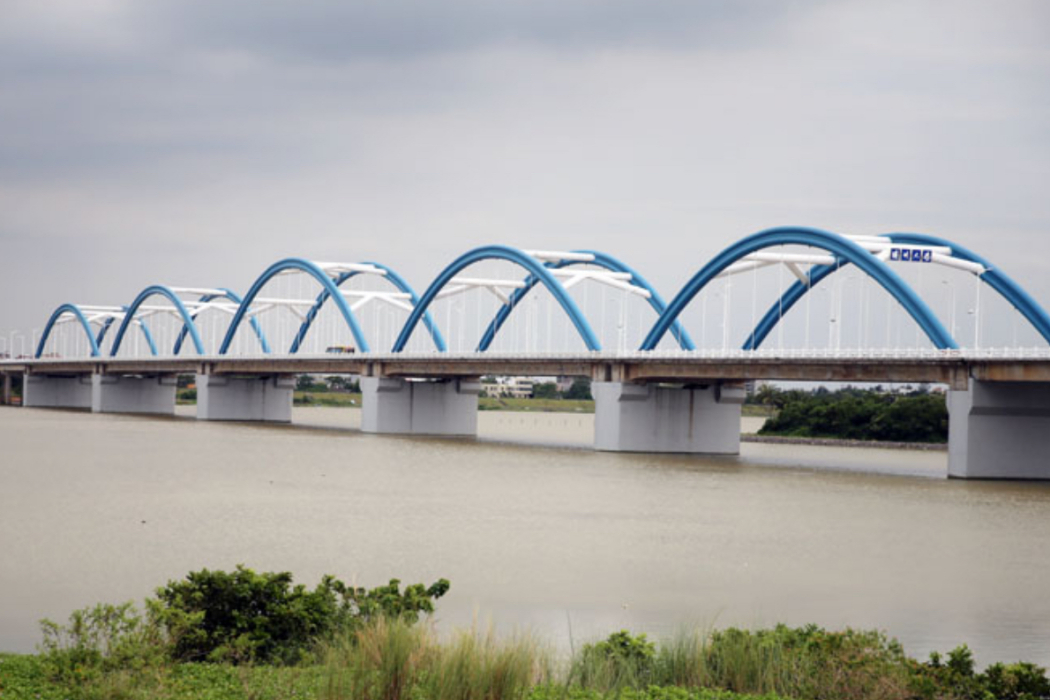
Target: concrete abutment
{"x": 404, "y": 407}
{"x": 657, "y": 418}
{"x": 999, "y": 430}
{"x": 56, "y": 391}
{"x": 259, "y": 398}
{"x": 114, "y": 393}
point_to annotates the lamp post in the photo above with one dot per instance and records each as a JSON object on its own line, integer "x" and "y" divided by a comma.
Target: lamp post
{"x": 725, "y": 316}
{"x": 951, "y": 307}
{"x": 703, "y": 320}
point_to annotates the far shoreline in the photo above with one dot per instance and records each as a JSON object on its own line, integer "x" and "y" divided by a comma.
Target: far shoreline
{"x": 578, "y": 407}
{"x": 843, "y": 442}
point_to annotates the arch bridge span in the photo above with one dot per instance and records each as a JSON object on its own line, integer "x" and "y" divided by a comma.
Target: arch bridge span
{"x": 677, "y": 397}
{"x": 557, "y": 273}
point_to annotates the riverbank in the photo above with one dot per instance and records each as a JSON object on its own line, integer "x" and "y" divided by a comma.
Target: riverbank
{"x": 345, "y": 399}
{"x": 393, "y": 658}
{"x": 841, "y": 442}
{"x": 568, "y": 406}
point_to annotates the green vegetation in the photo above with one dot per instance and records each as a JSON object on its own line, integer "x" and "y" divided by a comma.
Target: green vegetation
{"x": 243, "y": 616}
{"x": 580, "y": 390}
{"x": 856, "y": 414}
{"x": 753, "y": 410}
{"x": 849, "y": 414}
{"x": 243, "y": 635}
{"x": 621, "y": 660}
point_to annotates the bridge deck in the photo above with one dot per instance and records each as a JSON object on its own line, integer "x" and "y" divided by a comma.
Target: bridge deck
{"x": 934, "y": 367}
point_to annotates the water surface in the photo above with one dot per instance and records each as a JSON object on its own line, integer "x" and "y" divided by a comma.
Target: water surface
{"x": 534, "y": 529}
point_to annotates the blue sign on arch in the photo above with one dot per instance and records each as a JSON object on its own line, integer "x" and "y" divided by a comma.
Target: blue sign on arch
{"x": 909, "y": 255}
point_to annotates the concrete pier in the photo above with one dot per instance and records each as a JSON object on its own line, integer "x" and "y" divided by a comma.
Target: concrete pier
{"x": 655, "y": 418}
{"x": 262, "y": 398}
{"x": 999, "y": 430}
{"x": 56, "y": 391}
{"x": 6, "y": 397}
{"x": 405, "y": 407}
{"x": 113, "y": 393}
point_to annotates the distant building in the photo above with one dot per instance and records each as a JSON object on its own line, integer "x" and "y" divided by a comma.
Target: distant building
{"x": 564, "y": 383}
{"x": 519, "y": 387}
{"x": 513, "y": 387}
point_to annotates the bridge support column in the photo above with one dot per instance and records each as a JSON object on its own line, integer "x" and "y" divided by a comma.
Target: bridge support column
{"x": 114, "y": 393}
{"x": 267, "y": 398}
{"x": 6, "y": 399}
{"x": 651, "y": 418}
{"x": 419, "y": 408}
{"x": 51, "y": 391}
{"x": 999, "y": 430}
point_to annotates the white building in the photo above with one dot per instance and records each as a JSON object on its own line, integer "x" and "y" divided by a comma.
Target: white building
{"x": 513, "y": 387}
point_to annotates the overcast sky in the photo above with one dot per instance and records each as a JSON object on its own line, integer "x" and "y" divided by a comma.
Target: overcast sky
{"x": 194, "y": 142}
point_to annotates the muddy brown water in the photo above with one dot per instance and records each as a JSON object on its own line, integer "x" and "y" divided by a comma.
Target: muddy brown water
{"x": 534, "y": 530}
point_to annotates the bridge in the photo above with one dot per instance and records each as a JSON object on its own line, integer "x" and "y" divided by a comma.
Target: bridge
{"x": 581, "y": 313}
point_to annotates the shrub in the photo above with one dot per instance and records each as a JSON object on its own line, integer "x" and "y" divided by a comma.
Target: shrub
{"x": 99, "y": 640}
{"x": 389, "y": 601}
{"x": 245, "y": 616}
{"x": 957, "y": 678}
{"x": 580, "y": 390}
{"x": 622, "y": 659}
{"x": 1019, "y": 681}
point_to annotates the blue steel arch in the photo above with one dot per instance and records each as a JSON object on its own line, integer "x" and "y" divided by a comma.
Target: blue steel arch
{"x": 499, "y": 252}
{"x": 150, "y": 291}
{"x": 602, "y": 260}
{"x": 993, "y": 277}
{"x": 96, "y": 346}
{"x": 838, "y": 246}
{"x": 232, "y": 296}
{"x": 999, "y": 281}
{"x": 303, "y": 266}
{"x": 58, "y": 313}
{"x": 145, "y": 331}
{"x": 397, "y": 280}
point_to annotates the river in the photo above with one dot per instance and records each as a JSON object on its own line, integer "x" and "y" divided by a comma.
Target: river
{"x": 534, "y": 530}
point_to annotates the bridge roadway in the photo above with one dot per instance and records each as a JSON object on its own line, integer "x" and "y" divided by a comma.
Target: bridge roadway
{"x": 952, "y": 368}
{"x": 682, "y": 402}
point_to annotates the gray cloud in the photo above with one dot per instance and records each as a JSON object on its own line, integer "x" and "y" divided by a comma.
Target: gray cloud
{"x": 196, "y": 142}
{"x": 335, "y": 30}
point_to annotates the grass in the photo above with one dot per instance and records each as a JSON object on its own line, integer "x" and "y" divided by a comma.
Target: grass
{"x": 392, "y": 659}
{"x": 755, "y": 410}
{"x": 27, "y": 677}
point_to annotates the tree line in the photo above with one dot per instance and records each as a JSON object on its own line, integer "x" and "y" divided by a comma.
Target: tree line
{"x": 856, "y": 414}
